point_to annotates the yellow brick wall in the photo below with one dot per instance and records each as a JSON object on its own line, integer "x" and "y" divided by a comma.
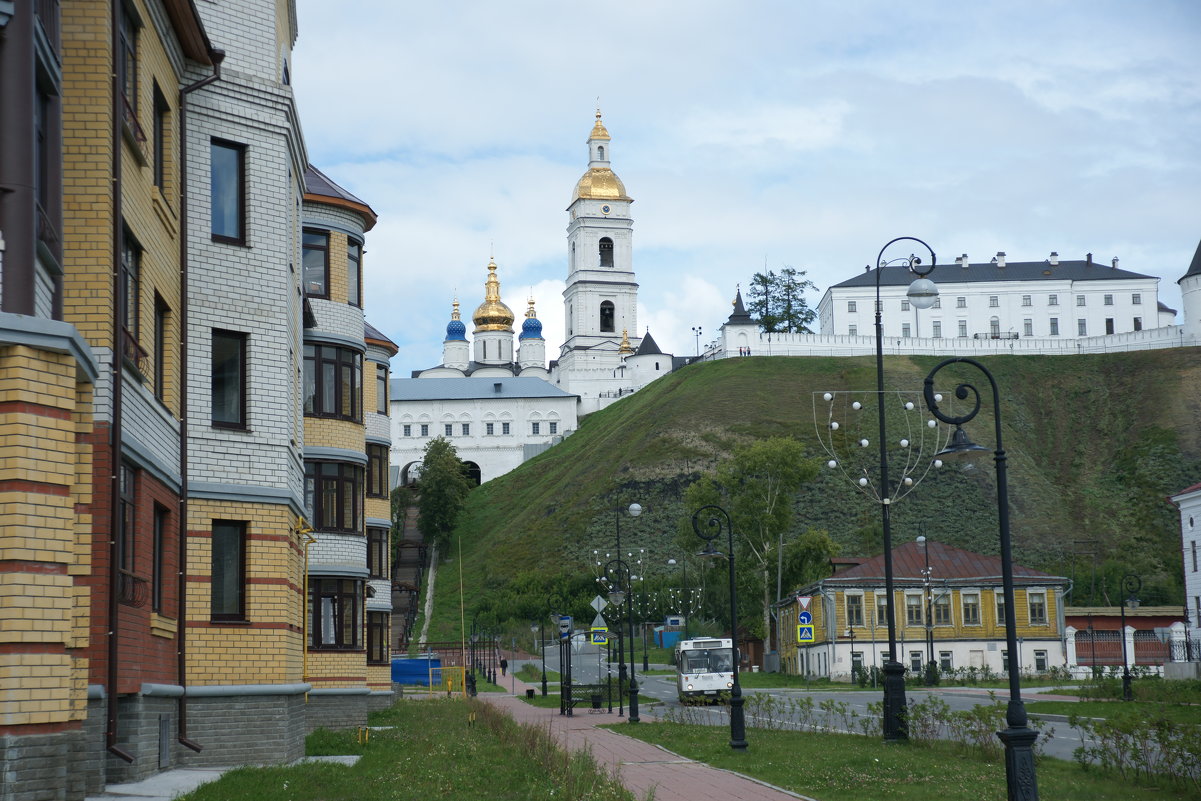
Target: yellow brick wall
{"x": 326, "y": 433}
{"x": 337, "y": 269}
{"x": 266, "y": 649}
{"x": 379, "y": 507}
{"x": 42, "y": 611}
{"x": 349, "y": 668}
{"x": 379, "y": 677}
{"x": 87, "y": 170}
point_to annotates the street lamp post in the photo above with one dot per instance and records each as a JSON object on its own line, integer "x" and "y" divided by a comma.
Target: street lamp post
{"x": 617, "y": 574}
{"x": 851, "y": 633}
{"x": 921, "y": 293}
{"x": 552, "y": 604}
{"x": 709, "y": 522}
{"x": 1018, "y": 737}
{"x": 686, "y": 606}
{"x": 1131, "y": 584}
{"x": 696, "y": 332}
{"x": 927, "y": 572}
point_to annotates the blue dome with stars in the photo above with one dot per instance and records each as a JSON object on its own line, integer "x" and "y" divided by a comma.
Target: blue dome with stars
{"x": 456, "y": 330}
{"x": 532, "y": 327}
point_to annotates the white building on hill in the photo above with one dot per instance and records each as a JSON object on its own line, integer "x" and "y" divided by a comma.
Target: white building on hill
{"x": 1047, "y": 307}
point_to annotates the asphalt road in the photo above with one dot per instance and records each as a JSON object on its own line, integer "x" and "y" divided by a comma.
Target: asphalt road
{"x": 590, "y": 663}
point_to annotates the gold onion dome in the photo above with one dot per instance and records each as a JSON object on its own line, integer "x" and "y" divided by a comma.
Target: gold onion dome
{"x": 599, "y": 183}
{"x": 492, "y": 314}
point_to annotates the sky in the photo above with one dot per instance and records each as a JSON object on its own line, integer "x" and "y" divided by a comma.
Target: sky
{"x": 752, "y": 135}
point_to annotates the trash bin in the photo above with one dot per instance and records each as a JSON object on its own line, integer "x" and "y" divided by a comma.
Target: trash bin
{"x": 529, "y": 693}
{"x": 596, "y": 700}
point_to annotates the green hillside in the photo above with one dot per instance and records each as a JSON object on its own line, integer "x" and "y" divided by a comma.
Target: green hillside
{"x": 1095, "y": 443}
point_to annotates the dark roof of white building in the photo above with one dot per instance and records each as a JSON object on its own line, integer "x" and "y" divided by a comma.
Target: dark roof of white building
{"x": 953, "y": 273}
{"x": 648, "y": 346}
{"x": 740, "y": 316}
{"x": 429, "y": 389}
{"x": 1195, "y": 267}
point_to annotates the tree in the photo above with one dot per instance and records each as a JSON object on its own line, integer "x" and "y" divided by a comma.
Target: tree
{"x": 778, "y": 301}
{"x": 757, "y": 486}
{"x": 443, "y": 487}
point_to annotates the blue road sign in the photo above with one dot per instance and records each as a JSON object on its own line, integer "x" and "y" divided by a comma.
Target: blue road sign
{"x": 804, "y": 633}
{"x": 805, "y": 618}
{"x": 600, "y": 636}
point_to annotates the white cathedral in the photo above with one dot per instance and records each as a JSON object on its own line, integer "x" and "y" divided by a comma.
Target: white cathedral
{"x": 499, "y": 404}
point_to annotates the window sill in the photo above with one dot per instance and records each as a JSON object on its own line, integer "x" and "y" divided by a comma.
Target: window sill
{"x": 243, "y": 622}
{"x": 232, "y": 428}
{"x": 229, "y": 240}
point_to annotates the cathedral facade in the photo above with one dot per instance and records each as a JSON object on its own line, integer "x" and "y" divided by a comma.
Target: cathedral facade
{"x": 495, "y": 397}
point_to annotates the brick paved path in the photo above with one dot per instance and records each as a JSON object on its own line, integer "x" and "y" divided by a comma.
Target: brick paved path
{"x": 641, "y": 767}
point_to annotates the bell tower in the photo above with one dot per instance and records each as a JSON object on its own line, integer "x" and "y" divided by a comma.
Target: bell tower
{"x": 601, "y": 297}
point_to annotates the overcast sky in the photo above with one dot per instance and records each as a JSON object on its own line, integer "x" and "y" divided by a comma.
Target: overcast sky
{"x": 749, "y": 134}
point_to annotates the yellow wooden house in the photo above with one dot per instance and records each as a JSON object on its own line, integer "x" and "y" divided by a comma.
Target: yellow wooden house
{"x": 949, "y": 609}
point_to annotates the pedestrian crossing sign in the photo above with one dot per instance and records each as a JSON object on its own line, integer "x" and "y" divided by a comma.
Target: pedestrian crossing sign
{"x": 804, "y": 633}
{"x": 600, "y": 636}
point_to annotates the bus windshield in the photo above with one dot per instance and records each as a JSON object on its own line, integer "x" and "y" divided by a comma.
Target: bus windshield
{"x": 708, "y": 660}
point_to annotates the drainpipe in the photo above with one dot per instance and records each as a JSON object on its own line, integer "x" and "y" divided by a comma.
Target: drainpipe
{"x": 216, "y": 56}
{"x": 114, "y": 437}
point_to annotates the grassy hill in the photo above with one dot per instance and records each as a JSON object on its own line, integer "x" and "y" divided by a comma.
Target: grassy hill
{"x": 1095, "y": 443}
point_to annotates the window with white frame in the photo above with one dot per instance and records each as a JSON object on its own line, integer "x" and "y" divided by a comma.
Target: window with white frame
{"x": 853, "y": 330}
{"x": 881, "y": 609}
{"x": 936, "y": 327}
{"x": 535, "y": 428}
{"x": 905, "y": 330}
{"x": 994, "y": 301}
{"x": 904, "y": 304}
{"x": 999, "y": 599}
{"x": 554, "y": 427}
{"x": 1036, "y": 601}
{"x": 945, "y": 661}
{"x": 913, "y": 609}
{"x": 961, "y": 302}
{"x": 971, "y": 608}
{"x": 1082, "y": 327}
{"x": 1028, "y": 327}
{"x": 504, "y": 428}
{"x": 942, "y": 610}
{"x": 854, "y": 610}
{"x": 1054, "y": 326}
{"x": 1109, "y": 300}
{"x": 1027, "y": 300}
{"x": 407, "y": 430}
{"x": 448, "y": 429}
{"x": 1138, "y": 323}
{"x": 852, "y": 306}
{"x": 425, "y": 429}
{"x": 1137, "y": 299}
{"x": 1080, "y": 300}
{"x": 1040, "y": 661}
{"x": 466, "y": 429}
{"x": 963, "y": 328}
{"x": 1052, "y": 300}
{"x": 489, "y": 429}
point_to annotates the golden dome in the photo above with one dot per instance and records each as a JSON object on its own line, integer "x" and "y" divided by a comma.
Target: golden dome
{"x": 625, "y": 349}
{"x": 600, "y": 183}
{"x": 598, "y": 130}
{"x": 492, "y": 314}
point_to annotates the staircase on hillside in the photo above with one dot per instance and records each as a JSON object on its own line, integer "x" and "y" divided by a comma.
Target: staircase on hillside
{"x": 407, "y": 571}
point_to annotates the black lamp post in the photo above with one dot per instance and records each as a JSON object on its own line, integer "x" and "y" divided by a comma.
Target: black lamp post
{"x": 1018, "y": 737}
{"x": 686, "y": 606}
{"x": 1131, "y": 584}
{"x": 696, "y": 332}
{"x": 851, "y": 633}
{"x": 617, "y": 575}
{"x": 922, "y": 294}
{"x": 709, "y": 522}
{"x": 927, "y": 572}
{"x": 552, "y": 604}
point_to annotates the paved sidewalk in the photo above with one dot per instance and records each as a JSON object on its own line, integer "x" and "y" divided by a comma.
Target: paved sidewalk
{"x": 641, "y": 767}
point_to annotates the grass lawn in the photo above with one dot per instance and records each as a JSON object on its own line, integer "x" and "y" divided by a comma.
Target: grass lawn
{"x": 1176, "y": 713}
{"x": 434, "y": 751}
{"x": 532, "y": 674}
{"x": 836, "y": 767}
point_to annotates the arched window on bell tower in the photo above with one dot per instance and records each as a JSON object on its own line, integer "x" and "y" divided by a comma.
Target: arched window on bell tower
{"x": 600, "y": 152}
{"x": 606, "y": 252}
{"x": 606, "y": 316}
{"x": 573, "y": 255}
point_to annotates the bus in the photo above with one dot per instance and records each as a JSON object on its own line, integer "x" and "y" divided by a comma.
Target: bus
{"x": 704, "y": 669}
